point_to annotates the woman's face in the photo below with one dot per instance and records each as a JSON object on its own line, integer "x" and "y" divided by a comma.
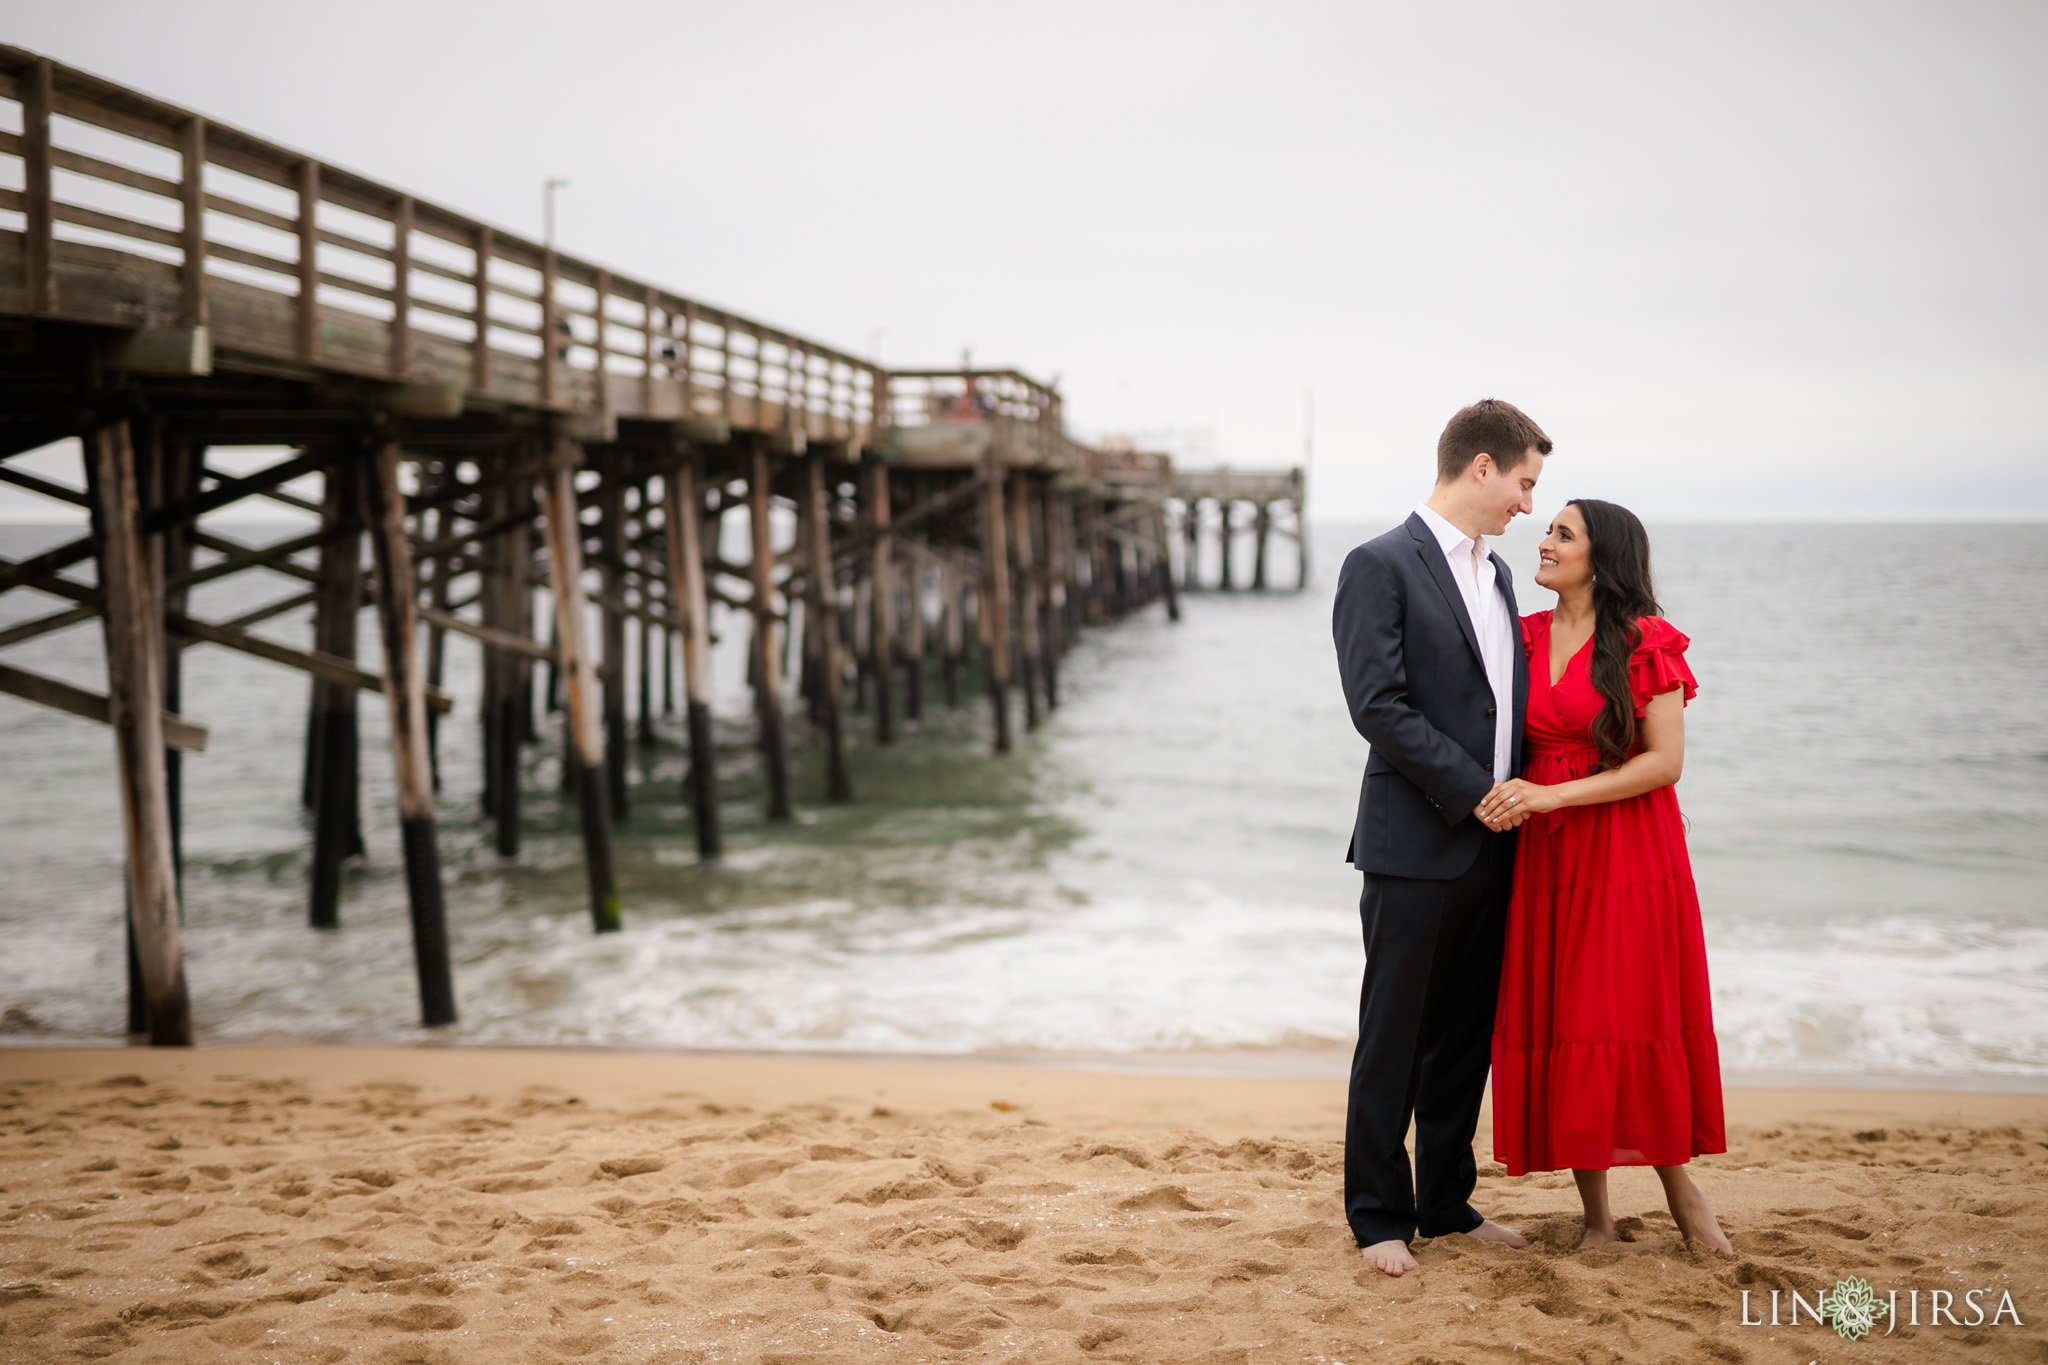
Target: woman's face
{"x": 1564, "y": 561}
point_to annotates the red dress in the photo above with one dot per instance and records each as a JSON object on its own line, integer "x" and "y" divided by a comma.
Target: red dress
{"x": 1603, "y": 1044}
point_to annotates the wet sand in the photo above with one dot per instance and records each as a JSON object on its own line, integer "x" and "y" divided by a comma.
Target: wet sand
{"x": 429, "y": 1205}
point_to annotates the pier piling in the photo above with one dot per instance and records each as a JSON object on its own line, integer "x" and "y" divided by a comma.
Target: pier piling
{"x": 405, "y": 701}
{"x": 767, "y": 659}
{"x": 335, "y": 753}
{"x": 584, "y": 752}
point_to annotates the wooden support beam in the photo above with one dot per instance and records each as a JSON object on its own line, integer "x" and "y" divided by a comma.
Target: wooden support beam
{"x": 480, "y": 311}
{"x": 650, "y": 343}
{"x": 995, "y": 600}
{"x": 401, "y": 288}
{"x": 600, "y": 344}
{"x": 179, "y": 733}
{"x": 135, "y": 711}
{"x": 406, "y": 704}
{"x": 1301, "y": 559}
{"x": 277, "y": 495}
{"x": 236, "y": 557}
{"x": 767, "y": 659}
{"x": 334, "y": 750}
{"x": 192, "y": 300}
{"x": 76, "y": 497}
{"x": 482, "y": 530}
{"x": 234, "y": 490}
{"x": 682, "y": 511}
{"x": 316, "y": 662}
{"x": 105, "y": 406}
{"x": 1048, "y": 591}
{"x": 645, "y": 653}
{"x": 436, "y": 573}
{"x": 914, "y": 634}
{"x": 952, "y": 630}
{"x": 176, "y": 473}
{"x": 1262, "y": 525}
{"x": 881, "y": 604}
{"x": 611, "y": 529}
{"x": 584, "y": 753}
{"x": 959, "y": 496}
{"x": 490, "y": 635}
{"x": 44, "y": 625}
{"x": 266, "y": 612}
{"x": 821, "y": 619}
{"x": 36, "y": 90}
{"x": 503, "y": 598}
{"x": 33, "y": 572}
{"x": 550, "y": 332}
{"x": 1226, "y": 580}
{"x": 1022, "y": 560}
{"x": 306, "y": 318}
{"x": 1164, "y": 568}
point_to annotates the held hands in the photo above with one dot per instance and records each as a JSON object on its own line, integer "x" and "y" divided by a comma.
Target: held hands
{"x": 1512, "y": 802}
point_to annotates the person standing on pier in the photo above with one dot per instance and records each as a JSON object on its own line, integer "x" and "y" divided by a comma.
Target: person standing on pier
{"x": 1435, "y": 679}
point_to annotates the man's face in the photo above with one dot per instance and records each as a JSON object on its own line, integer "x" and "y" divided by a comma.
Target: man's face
{"x": 1504, "y": 494}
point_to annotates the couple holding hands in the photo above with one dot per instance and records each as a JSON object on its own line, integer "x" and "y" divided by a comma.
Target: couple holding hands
{"x": 1528, "y": 902}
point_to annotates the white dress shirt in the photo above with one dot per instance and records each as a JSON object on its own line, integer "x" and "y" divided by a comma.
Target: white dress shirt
{"x": 1487, "y": 605}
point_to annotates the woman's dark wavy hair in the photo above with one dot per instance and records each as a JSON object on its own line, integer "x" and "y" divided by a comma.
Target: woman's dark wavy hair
{"x": 1623, "y": 593}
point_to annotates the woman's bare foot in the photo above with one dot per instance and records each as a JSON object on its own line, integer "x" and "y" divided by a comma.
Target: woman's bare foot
{"x": 1490, "y": 1231}
{"x": 1599, "y": 1213}
{"x": 1693, "y": 1214}
{"x": 1391, "y": 1256}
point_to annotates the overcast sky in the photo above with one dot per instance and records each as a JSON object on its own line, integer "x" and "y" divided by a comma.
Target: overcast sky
{"x": 1774, "y": 260}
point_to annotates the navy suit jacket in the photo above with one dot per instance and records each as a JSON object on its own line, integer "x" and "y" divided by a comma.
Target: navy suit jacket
{"x": 1417, "y": 690}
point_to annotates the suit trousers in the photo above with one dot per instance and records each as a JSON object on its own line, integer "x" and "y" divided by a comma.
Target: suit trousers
{"x": 1425, "y": 1034}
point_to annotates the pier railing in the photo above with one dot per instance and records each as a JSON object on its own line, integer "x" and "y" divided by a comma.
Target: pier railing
{"x": 136, "y": 213}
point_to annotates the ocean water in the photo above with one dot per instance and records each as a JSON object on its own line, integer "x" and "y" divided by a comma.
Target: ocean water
{"x": 1155, "y": 878}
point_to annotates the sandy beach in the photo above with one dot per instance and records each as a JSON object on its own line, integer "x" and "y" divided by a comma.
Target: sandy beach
{"x": 430, "y": 1205}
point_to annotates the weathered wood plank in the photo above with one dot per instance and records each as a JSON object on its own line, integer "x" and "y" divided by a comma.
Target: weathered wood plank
{"x": 33, "y": 484}
{"x": 401, "y": 287}
{"x": 306, "y": 335}
{"x": 881, "y": 604}
{"x": 822, "y": 618}
{"x": 179, "y": 733}
{"x": 39, "y": 275}
{"x": 682, "y": 534}
{"x": 406, "y": 704}
{"x": 334, "y": 756}
{"x": 319, "y": 664}
{"x": 490, "y": 635}
{"x": 135, "y": 713}
{"x": 585, "y": 749}
{"x": 995, "y": 599}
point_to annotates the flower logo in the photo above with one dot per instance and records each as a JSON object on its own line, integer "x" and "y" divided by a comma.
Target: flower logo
{"x": 1852, "y": 1306}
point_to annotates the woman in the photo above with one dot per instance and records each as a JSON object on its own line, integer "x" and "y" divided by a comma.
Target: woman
{"x": 1603, "y": 1044}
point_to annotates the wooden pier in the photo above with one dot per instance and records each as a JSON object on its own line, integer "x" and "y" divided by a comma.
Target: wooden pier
{"x": 1276, "y": 502}
{"x": 542, "y": 455}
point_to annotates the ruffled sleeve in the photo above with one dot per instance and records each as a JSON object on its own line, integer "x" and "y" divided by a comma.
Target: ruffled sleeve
{"x": 1658, "y": 665}
{"x": 1535, "y": 629}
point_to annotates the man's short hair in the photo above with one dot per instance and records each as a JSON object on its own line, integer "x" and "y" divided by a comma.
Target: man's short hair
{"x": 1488, "y": 427}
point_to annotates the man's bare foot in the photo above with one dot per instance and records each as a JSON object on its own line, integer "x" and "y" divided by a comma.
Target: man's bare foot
{"x": 1391, "y": 1256}
{"x": 1490, "y": 1231}
{"x": 1695, "y": 1218}
{"x": 1596, "y": 1237}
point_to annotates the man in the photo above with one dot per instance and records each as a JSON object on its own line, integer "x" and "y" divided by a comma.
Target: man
{"x": 1430, "y": 653}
